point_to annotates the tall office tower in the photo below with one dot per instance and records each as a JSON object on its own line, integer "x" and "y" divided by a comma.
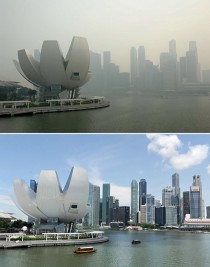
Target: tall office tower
{"x": 208, "y": 212}
{"x": 133, "y": 68}
{"x": 143, "y": 214}
{"x": 105, "y": 207}
{"x": 168, "y": 69}
{"x": 112, "y": 204}
{"x": 197, "y": 182}
{"x": 124, "y": 214}
{"x": 150, "y": 209}
{"x": 92, "y": 217}
{"x": 196, "y": 203}
{"x": 171, "y": 215}
{"x": 134, "y": 201}
{"x": 142, "y": 192}
{"x": 106, "y": 59}
{"x": 160, "y": 216}
{"x": 177, "y": 202}
{"x": 175, "y": 184}
{"x": 141, "y": 66}
{"x": 186, "y": 203}
{"x": 183, "y": 69}
{"x": 192, "y": 63}
{"x": 167, "y": 196}
{"x": 172, "y": 50}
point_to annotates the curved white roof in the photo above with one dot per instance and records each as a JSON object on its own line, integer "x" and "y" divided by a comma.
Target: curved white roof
{"x": 50, "y": 201}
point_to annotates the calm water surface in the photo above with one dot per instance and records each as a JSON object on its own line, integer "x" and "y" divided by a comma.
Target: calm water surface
{"x": 127, "y": 114}
{"x": 158, "y": 249}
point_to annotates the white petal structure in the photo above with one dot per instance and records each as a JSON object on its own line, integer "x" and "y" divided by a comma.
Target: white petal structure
{"x": 50, "y": 201}
{"x": 53, "y": 69}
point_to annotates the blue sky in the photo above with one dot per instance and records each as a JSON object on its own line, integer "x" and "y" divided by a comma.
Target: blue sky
{"x": 108, "y": 158}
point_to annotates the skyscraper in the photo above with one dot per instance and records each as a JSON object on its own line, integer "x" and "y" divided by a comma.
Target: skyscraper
{"x": 150, "y": 209}
{"x": 196, "y": 202}
{"x": 167, "y": 194}
{"x": 172, "y": 50}
{"x": 141, "y": 66}
{"x": 105, "y": 207}
{"x": 142, "y": 192}
{"x": 92, "y": 217}
{"x": 186, "y": 203}
{"x": 192, "y": 63}
{"x": 134, "y": 201}
{"x": 133, "y": 67}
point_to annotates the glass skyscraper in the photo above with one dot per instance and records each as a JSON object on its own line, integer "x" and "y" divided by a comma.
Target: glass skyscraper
{"x": 105, "y": 202}
{"x": 142, "y": 192}
{"x": 134, "y": 201}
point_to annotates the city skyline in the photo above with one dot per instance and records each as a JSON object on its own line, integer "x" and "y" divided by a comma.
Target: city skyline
{"x": 107, "y": 25}
{"x": 113, "y": 159}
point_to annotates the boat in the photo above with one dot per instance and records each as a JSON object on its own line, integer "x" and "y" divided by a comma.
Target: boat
{"x": 136, "y": 242}
{"x": 81, "y": 250}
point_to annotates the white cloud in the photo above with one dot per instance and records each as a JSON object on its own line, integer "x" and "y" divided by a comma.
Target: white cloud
{"x": 4, "y": 199}
{"x": 164, "y": 145}
{"x": 167, "y": 146}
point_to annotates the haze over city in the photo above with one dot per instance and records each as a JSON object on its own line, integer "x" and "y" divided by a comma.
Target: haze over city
{"x": 108, "y": 158}
{"x": 107, "y": 25}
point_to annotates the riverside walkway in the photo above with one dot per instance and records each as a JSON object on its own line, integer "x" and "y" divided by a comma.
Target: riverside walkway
{"x": 56, "y": 239}
{"x": 58, "y": 105}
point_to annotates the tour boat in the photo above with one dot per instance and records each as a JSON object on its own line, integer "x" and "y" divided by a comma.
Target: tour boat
{"x": 136, "y": 242}
{"x": 81, "y": 250}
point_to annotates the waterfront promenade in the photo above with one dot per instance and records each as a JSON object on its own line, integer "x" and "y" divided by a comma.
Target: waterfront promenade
{"x": 55, "y": 239}
{"x": 51, "y": 106}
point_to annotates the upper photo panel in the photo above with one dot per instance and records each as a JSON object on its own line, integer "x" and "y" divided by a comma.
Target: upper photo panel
{"x": 105, "y": 66}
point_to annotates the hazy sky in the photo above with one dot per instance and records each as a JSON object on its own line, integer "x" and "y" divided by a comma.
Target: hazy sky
{"x": 108, "y": 158}
{"x": 108, "y": 25}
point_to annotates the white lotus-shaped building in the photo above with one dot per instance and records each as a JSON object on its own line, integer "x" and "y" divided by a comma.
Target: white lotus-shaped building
{"x": 53, "y": 70}
{"x": 50, "y": 201}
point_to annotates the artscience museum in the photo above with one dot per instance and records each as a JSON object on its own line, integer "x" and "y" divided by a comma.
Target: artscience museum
{"x": 48, "y": 203}
{"x": 54, "y": 72}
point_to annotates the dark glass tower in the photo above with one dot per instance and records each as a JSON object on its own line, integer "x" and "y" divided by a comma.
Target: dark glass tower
{"x": 142, "y": 192}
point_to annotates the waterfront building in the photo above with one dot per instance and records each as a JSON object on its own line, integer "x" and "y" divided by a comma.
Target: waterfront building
{"x": 186, "y": 203}
{"x": 143, "y": 214}
{"x": 92, "y": 217}
{"x": 197, "y": 224}
{"x": 150, "y": 209}
{"x": 141, "y": 67}
{"x": 53, "y": 72}
{"x": 195, "y": 205}
{"x": 167, "y": 194}
{"x": 192, "y": 63}
{"x": 142, "y": 192}
{"x": 175, "y": 185}
{"x": 183, "y": 69}
{"x": 208, "y": 212}
{"x": 196, "y": 201}
{"x": 50, "y": 205}
{"x": 105, "y": 202}
{"x": 171, "y": 216}
{"x": 168, "y": 69}
{"x": 134, "y": 201}
{"x": 113, "y": 205}
{"x": 124, "y": 214}
{"x": 172, "y": 50}
{"x": 160, "y": 216}
{"x": 133, "y": 68}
